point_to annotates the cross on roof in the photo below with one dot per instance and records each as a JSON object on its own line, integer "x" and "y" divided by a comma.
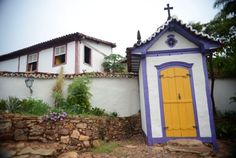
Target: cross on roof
{"x": 168, "y": 8}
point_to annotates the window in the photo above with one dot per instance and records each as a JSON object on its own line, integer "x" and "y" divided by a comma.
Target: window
{"x": 59, "y": 55}
{"x": 32, "y": 62}
{"x": 87, "y": 55}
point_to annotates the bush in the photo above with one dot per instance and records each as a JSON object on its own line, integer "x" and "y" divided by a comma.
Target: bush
{"x": 113, "y": 63}
{"x": 12, "y": 105}
{"x": 97, "y": 111}
{"x": 79, "y": 95}
{"x": 225, "y": 126}
{"x": 34, "y": 107}
{"x": 2, "y": 105}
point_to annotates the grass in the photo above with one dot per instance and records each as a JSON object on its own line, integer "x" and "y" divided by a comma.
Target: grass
{"x": 105, "y": 147}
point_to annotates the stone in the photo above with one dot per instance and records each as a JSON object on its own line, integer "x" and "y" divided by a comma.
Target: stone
{"x": 86, "y": 144}
{"x": 39, "y": 151}
{"x": 75, "y": 134}
{"x": 6, "y": 136}
{"x": 83, "y": 138}
{"x": 5, "y": 126}
{"x": 96, "y": 143}
{"x": 74, "y": 142}
{"x": 20, "y": 134}
{"x": 26, "y": 150}
{"x": 20, "y": 145}
{"x": 88, "y": 132}
{"x": 36, "y": 130}
{"x": 20, "y": 124}
{"x": 11, "y": 153}
{"x": 22, "y": 156}
{"x": 63, "y": 131}
{"x": 70, "y": 154}
{"x": 81, "y": 125}
{"x": 65, "y": 139}
{"x": 185, "y": 142}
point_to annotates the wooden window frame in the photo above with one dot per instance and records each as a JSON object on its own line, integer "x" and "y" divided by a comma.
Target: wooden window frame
{"x": 90, "y": 57}
{"x": 53, "y": 57}
{"x": 27, "y": 63}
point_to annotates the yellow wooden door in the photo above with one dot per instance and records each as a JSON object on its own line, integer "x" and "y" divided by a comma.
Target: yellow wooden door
{"x": 177, "y": 103}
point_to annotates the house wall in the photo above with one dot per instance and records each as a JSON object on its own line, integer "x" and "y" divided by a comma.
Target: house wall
{"x": 119, "y": 95}
{"x": 199, "y": 85}
{"x": 45, "y": 59}
{"x": 9, "y": 65}
{"x": 142, "y": 103}
{"x": 182, "y": 42}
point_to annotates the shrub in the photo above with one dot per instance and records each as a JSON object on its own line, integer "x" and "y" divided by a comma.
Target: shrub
{"x": 2, "y": 105}
{"x": 114, "y": 114}
{"x": 79, "y": 95}
{"x": 34, "y": 107}
{"x": 97, "y": 111}
{"x": 58, "y": 90}
{"x": 12, "y": 105}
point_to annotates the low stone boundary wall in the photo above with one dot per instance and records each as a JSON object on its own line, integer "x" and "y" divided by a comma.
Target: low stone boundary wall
{"x": 75, "y": 132}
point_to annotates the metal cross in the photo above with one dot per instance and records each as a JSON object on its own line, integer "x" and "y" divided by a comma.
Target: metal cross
{"x": 168, "y": 8}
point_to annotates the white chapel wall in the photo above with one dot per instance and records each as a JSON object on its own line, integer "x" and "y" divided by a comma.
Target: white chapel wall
{"x": 119, "y": 95}
{"x": 199, "y": 85}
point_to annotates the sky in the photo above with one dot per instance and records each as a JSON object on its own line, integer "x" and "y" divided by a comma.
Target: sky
{"x": 27, "y": 22}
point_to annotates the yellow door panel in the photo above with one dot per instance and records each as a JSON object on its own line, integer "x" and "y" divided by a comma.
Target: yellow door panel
{"x": 177, "y": 103}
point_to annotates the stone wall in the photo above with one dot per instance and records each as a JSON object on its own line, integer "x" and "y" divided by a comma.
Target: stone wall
{"x": 74, "y": 132}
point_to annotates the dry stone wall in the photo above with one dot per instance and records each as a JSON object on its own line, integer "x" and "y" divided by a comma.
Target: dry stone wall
{"x": 75, "y": 132}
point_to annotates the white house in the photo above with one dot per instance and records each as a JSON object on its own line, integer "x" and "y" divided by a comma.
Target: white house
{"x": 76, "y": 52}
{"x": 173, "y": 83}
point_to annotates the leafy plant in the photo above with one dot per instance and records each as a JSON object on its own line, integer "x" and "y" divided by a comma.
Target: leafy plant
{"x": 79, "y": 95}
{"x": 2, "y": 105}
{"x": 97, "y": 111}
{"x": 12, "y": 105}
{"x": 233, "y": 99}
{"x": 114, "y": 114}
{"x": 113, "y": 63}
{"x": 57, "y": 94}
{"x": 34, "y": 107}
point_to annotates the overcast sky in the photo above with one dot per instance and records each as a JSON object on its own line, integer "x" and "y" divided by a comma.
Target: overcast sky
{"x": 27, "y": 22}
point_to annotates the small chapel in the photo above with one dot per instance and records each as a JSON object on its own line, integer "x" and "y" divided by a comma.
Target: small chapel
{"x": 173, "y": 82}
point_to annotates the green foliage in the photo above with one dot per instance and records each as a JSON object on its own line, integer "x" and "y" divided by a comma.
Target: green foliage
{"x": 114, "y": 114}
{"x": 105, "y": 147}
{"x": 34, "y": 107}
{"x": 233, "y": 99}
{"x": 2, "y": 105}
{"x": 57, "y": 94}
{"x": 225, "y": 126}
{"x": 12, "y": 105}
{"x": 113, "y": 63}
{"x": 97, "y": 111}
{"x": 79, "y": 95}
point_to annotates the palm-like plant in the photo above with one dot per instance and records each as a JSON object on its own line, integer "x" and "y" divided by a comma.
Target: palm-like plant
{"x": 228, "y": 8}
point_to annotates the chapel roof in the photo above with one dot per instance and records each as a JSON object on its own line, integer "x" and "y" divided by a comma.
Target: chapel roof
{"x": 53, "y": 42}
{"x": 186, "y": 26}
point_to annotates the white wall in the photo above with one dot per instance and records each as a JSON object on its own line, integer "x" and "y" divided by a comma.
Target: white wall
{"x": 45, "y": 60}
{"x": 142, "y": 103}
{"x": 223, "y": 90}
{"x": 9, "y": 65}
{"x": 182, "y": 42}
{"x": 119, "y": 95}
{"x": 199, "y": 85}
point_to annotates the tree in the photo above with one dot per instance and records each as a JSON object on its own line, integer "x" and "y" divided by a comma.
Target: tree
{"x": 113, "y": 63}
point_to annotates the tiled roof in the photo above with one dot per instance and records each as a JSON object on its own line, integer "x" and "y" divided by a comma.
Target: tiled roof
{"x": 51, "y": 43}
{"x": 174, "y": 18}
{"x": 68, "y": 76}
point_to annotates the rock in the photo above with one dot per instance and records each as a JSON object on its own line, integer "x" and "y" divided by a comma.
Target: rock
{"x": 86, "y": 144}
{"x": 158, "y": 148}
{"x": 43, "y": 152}
{"x": 70, "y": 154}
{"x": 36, "y": 130}
{"x": 5, "y": 126}
{"x": 20, "y": 145}
{"x": 65, "y": 139}
{"x": 74, "y": 142}
{"x": 20, "y": 134}
{"x": 26, "y": 150}
{"x": 185, "y": 142}
{"x": 96, "y": 143}
{"x": 88, "y": 132}
{"x": 22, "y": 156}
{"x": 130, "y": 146}
{"x": 81, "y": 125}
{"x": 63, "y": 131}
{"x": 11, "y": 153}
{"x": 6, "y": 136}
{"x": 83, "y": 138}
{"x": 75, "y": 134}
{"x": 20, "y": 124}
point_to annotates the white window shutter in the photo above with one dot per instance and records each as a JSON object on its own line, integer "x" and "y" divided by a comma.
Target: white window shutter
{"x": 60, "y": 50}
{"x": 33, "y": 58}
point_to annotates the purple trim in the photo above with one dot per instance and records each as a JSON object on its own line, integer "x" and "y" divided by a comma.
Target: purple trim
{"x": 165, "y": 139}
{"x": 192, "y": 50}
{"x": 189, "y": 67}
{"x": 171, "y": 41}
{"x": 146, "y": 99}
{"x": 210, "y": 111}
